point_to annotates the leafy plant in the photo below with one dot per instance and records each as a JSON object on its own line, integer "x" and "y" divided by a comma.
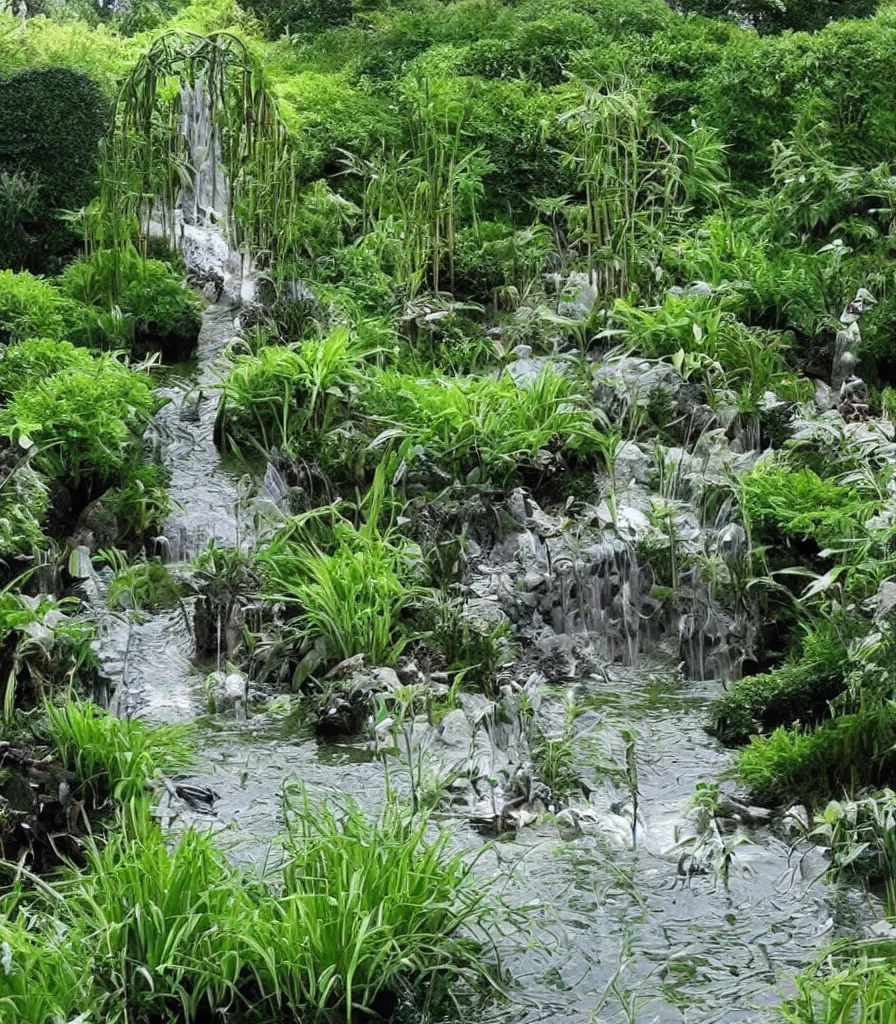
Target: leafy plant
{"x": 115, "y": 758}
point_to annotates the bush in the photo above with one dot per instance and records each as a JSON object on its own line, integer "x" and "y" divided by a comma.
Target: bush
{"x": 784, "y": 503}
{"x": 29, "y": 362}
{"x": 51, "y": 123}
{"x": 86, "y": 421}
{"x": 160, "y": 314}
{"x": 798, "y": 691}
{"x": 29, "y": 308}
{"x": 812, "y": 766}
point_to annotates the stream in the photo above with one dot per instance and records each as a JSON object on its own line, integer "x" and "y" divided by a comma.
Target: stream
{"x": 618, "y": 932}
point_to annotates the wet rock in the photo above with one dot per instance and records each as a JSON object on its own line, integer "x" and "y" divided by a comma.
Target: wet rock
{"x": 632, "y": 464}
{"x": 456, "y": 731}
{"x": 344, "y": 709}
{"x": 796, "y": 820}
{"x": 578, "y": 295}
{"x": 484, "y": 613}
{"x": 227, "y": 690}
{"x": 100, "y": 523}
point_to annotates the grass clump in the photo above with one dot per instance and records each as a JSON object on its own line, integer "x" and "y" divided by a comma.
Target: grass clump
{"x": 348, "y": 586}
{"x": 369, "y": 908}
{"x": 115, "y": 758}
{"x": 799, "y": 690}
{"x": 851, "y": 983}
{"x": 844, "y": 754}
{"x": 481, "y": 427}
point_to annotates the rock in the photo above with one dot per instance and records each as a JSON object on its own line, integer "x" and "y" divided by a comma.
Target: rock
{"x": 516, "y": 508}
{"x": 100, "y": 522}
{"x": 227, "y": 690}
{"x": 758, "y": 815}
{"x": 632, "y": 464}
{"x": 455, "y": 731}
{"x": 796, "y": 820}
{"x": 484, "y": 613}
{"x": 577, "y": 297}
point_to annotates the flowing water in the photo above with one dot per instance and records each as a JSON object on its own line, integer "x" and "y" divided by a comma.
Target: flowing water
{"x": 618, "y": 928}
{"x": 618, "y": 924}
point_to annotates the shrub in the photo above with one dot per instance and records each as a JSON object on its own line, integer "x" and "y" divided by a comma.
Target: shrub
{"x": 780, "y": 502}
{"x": 815, "y": 765}
{"x": 87, "y": 422}
{"x": 51, "y": 123}
{"x": 29, "y": 308}
{"x": 29, "y": 362}
{"x": 798, "y": 691}
{"x": 160, "y": 313}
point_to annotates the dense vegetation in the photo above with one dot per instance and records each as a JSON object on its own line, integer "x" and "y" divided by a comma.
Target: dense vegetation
{"x": 614, "y": 253}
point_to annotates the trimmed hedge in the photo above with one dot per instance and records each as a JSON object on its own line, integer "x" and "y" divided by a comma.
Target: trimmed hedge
{"x": 51, "y": 124}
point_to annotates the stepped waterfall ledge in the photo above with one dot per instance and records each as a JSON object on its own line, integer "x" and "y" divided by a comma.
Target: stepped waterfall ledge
{"x": 447, "y": 512}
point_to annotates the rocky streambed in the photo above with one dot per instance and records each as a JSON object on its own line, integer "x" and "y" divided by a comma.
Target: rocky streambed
{"x": 638, "y": 910}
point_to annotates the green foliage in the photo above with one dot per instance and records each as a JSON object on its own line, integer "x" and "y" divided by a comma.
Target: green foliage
{"x": 162, "y": 928}
{"x": 42, "y": 648}
{"x": 157, "y": 311}
{"x": 800, "y": 690}
{"x": 295, "y": 393}
{"x": 781, "y": 502}
{"x": 486, "y": 426}
{"x": 852, "y": 985}
{"x": 115, "y": 758}
{"x": 349, "y": 586}
{"x": 767, "y": 16}
{"x": 87, "y": 422}
{"x": 846, "y": 753}
{"x": 29, "y": 308}
{"x": 51, "y": 123}
{"x": 141, "y": 586}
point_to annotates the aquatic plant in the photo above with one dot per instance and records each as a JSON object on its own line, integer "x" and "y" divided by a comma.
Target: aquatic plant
{"x": 115, "y": 758}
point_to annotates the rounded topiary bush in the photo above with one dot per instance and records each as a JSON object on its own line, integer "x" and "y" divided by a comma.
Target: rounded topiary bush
{"x": 51, "y": 124}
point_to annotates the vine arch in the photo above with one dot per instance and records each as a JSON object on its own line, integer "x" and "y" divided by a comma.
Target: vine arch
{"x": 185, "y": 86}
